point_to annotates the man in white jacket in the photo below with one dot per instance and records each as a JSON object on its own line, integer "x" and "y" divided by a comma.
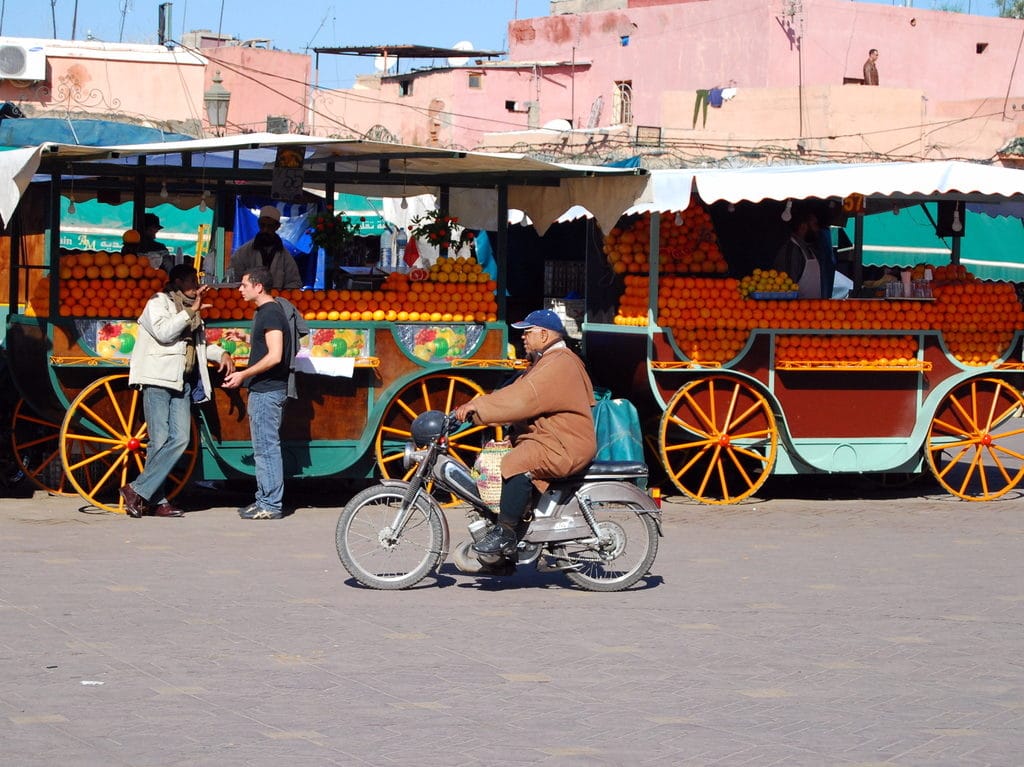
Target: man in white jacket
{"x": 169, "y": 364}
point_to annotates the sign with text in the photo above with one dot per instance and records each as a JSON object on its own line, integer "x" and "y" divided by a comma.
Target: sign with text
{"x": 287, "y": 177}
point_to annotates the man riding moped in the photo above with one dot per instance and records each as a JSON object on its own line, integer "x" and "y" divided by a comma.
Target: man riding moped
{"x": 549, "y": 410}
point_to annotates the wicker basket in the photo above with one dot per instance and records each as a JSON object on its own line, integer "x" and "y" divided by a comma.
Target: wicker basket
{"x": 487, "y": 470}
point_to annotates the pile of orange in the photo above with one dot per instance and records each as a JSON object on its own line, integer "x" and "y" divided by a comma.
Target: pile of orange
{"x": 687, "y": 243}
{"x": 456, "y": 291}
{"x": 117, "y": 286}
{"x": 887, "y": 351}
{"x": 708, "y": 316}
{"x": 109, "y": 285}
{"x": 767, "y": 281}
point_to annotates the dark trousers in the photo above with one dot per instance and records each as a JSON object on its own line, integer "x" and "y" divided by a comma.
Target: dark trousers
{"x": 516, "y": 492}
{"x": 702, "y": 100}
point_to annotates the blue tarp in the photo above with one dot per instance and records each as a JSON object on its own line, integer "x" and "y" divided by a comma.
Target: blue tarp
{"x": 33, "y": 131}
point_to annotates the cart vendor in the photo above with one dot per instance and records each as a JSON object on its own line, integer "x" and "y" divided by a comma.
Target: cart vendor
{"x": 798, "y": 259}
{"x": 267, "y": 249}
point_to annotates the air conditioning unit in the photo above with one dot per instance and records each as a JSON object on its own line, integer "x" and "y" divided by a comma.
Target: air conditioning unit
{"x": 20, "y": 63}
{"x": 277, "y": 124}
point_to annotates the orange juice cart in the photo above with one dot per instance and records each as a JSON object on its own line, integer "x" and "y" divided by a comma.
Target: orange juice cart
{"x": 741, "y": 380}
{"x": 374, "y": 359}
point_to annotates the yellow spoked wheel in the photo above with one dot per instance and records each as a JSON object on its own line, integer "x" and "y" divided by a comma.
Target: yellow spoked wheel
{"x": 718, "y": 439}
{"x": 976, "y": 441}
{"x": 436, "y": 392}
{"x": 103, "y": 443}
{"x": 36, "y": 444}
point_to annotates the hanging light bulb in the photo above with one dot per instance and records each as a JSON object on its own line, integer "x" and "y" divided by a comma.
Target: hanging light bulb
{"x": 732, "y": 208}
{"x": 679, "y": 218}
{"x": 163, "y": 191}
{"x": 957, "y": 225}
{"x": 202, "y": 201}
{"x": 71, "y": 206}
{"x": 404, "y": 204}
{"x": 787, "y": 214}
{"x": 895, "y": 210}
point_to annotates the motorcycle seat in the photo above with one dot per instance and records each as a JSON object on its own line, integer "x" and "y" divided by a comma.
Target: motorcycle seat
{"x": 612, "y": 470}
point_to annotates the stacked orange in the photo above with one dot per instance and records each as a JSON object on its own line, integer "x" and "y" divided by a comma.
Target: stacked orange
{"x": 711, "y": 321}
{"x": 111, "y": 285}
{"x": 689, "y": 246}
{"x": 858, "y": 350}
{"x": 455, "y": 290}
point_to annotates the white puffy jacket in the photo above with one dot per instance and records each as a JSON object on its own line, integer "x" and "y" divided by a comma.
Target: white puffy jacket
{"x": 158, "y": 358}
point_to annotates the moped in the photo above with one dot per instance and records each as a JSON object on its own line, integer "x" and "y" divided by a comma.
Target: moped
{"x": 598, "y": 527}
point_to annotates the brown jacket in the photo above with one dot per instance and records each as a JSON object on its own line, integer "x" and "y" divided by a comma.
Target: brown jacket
{"x": 284, "y": 273}
{"x": 549, "y": 406}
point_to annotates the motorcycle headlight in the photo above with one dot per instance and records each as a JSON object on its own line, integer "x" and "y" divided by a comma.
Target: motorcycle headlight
{"x": 411, "y": 456}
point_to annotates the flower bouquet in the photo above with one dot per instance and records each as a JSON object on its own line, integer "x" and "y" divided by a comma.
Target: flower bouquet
{"x": 440, "y": 231}
{"x": 332, "y": 231}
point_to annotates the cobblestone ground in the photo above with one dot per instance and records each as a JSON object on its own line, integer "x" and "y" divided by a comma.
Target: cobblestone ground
{"x": 796, "y": 631}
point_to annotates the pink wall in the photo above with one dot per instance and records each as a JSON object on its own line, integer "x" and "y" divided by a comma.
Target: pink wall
{"x": 146, "y": 84}
{"x": 262, "y": 82}
{"x": 151, "y": 84}
{"x": 702, "y": 44}
{"x": 929, "y": 67}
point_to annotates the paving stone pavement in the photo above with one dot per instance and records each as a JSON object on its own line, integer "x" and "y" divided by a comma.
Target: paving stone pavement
{"x": 796, "y": 631}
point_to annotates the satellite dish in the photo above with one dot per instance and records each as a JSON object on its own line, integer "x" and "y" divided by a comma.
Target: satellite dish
{"x": 383, "y": 63}
{"x": 559, "y": 125}
{"x": 460, "y": 61}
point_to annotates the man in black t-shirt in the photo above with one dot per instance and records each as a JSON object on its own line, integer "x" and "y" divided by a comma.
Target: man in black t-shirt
{"x": 266, "y": 377}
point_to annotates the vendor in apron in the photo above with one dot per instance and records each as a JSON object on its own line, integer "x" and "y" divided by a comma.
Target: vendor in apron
{"x": 797, "y": 258}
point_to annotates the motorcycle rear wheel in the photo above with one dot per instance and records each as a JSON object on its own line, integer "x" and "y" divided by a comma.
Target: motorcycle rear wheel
{"x": 631, "y": 544}
{"x": 371, "y": 552}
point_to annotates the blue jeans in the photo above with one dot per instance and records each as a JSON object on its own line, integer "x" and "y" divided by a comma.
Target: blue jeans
{"x": 266, "y": 409}
{"x": 168, "y": 423}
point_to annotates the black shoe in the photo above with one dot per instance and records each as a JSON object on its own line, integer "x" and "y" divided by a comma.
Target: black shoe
{"x": 243, "y": 510}
{"x": 498, "y": 540}
{"x": 258, "y": 512}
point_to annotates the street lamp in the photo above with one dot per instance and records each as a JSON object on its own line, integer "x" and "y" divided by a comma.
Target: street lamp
{"x": 216, "y": 101}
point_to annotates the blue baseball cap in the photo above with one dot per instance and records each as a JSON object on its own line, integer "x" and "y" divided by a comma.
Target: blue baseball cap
{"x": 542, "y": 318}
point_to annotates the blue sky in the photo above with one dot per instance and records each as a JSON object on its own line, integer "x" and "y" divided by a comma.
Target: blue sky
{"x": 301, "y": 24}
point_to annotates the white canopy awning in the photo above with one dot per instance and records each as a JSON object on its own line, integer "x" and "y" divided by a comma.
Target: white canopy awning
{"x": 671, "y": 190}
{"x": 544, "y": 190}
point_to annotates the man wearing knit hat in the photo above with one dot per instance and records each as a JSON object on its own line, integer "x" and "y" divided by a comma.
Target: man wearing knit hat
{"x": 552, "y": 425}
{"x": 267, "y": 250}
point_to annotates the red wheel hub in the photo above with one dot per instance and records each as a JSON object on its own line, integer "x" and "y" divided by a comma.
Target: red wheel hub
{"x": 986, "y": 439}
{"x": 723, "y": 440}
{"x": 133, "y": 444}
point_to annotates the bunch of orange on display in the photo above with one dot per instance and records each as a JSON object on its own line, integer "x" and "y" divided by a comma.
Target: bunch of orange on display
{"x": 882, "y": 351}
{"x": 688, "y": 244}
{"x": 767, "y": 281}
{"x": 115, "y": 285}
{"x": 399, "y": 299}
{"x": 711, "y": 321}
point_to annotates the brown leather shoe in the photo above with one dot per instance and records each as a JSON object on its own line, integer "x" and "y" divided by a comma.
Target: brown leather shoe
{"x": 134, "y": 504}
{"x": 166, "y": 510}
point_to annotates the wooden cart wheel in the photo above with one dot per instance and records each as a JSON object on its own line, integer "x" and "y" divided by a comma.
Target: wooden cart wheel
{"x": 103, "y": 443}
{"x": 975, "y": 446}
{"x": 435, "y": 392}
{"x": 718, "y": 439}
{"x": 36, "y": 444}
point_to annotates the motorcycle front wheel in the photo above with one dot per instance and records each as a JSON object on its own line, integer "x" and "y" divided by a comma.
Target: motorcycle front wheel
{"x": 623, "y": 555}
{"x": 377, "y": 555}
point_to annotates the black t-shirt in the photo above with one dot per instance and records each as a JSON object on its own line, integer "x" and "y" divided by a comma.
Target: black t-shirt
{"x": 269, "y": 316}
